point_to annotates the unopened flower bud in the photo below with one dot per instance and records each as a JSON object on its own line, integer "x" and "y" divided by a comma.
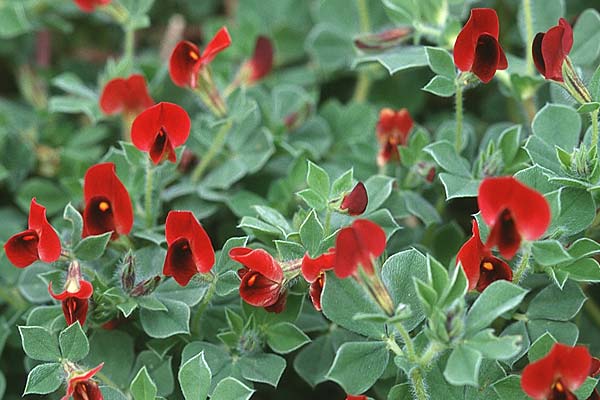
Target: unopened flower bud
{"x": 146, "y": 287}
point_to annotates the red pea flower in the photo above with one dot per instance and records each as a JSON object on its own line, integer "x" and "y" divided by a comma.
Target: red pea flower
{"x": 186, "y": 60}
{"x": 190, "y": 249}
{"x": 550, "y": 50}
{"x": 558, "y": 374}
{"x": 356, "y": 201}
{"x": 90, "y": 5}
{"x": 357, "y": 245}
{"x": 262, "y": 278}
{"x": 81, "y": 386}
{"x": 75, "y": 297}
{"x": 159, "y": 129}
{"x": 480, "y": 266}
{"x": 513, "y": 211}
{"x": 39, "y": 242}
{"x": 477, "y": 49}
{"x": 392, "y": 130}
{"x": 313, "y": 270}
{"x": 129, "y": 96}
{"x": 261, "y": 62}
{"x": 107, "y": 203}
{"x": 359, "y": 397}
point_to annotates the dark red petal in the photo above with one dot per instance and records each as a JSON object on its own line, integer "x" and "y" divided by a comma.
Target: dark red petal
{"x": 553, "y": 52}
{"x": 315, "y": 290}
{"x": 179, "y": 262}
{"x": 184, "y": 224}
{"x": 168, "y": 117}
{"x": 595, "y": 367}
{"x": 98, "y": 216}
{"x": 261, "y": 62}
{"x": 22, "y": 249}
{"x": 129, "y": 95}
{"x": 470, "y": 255}
{"x": 567, "y": 40}
{"x": 73, "y": 380}
{"x": 312, "y": 267}
{"x": 504, "y": 235}
{"x": 48, "y": 247}
{"x": 258, "y": 260}
{"x": 359, "y": 397}
{"x": 258, "y": 290}
{"x": 356, "y": 201}
{"x": 279, "y": 305}
{"x": 75, "y": 309}
{"x": 184, "y": 64}
{"x": 357, "y": 245}
{"x": 90, "y": 5}
{"x": 595, "y": 395}
{"x": 87, "y": 390}
{"x": 101, "y": 182}
{"x": 162, "y": 148}
{"x": 497, "y": 194}
{"x": 217, "y": 44}
{"x": 482, "y": 21}
{"x": 493, "y": 269}
{"x": 487, "y": 55}
{"x": 536, "y": 51}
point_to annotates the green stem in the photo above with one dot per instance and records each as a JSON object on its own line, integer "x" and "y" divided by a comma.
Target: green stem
{"x": 418, "y": 383}
{"x": 363, "y": 15}
{"x": 129, "y": 43}
{"x": 594, "y": 116}
{"x": 363, "y": 83}
{"x": 213, "y": 151}
{"x": 430, "y": 353}
{"x": 522, "y": 266}
{"x": 459, "y": 116}
{"x": 148, "y": 194}
{"x": 529, "y": 30}
{"x": 327, "y": 221}
{"x": 408, "y": 342}
{"x": 205, "y": 302}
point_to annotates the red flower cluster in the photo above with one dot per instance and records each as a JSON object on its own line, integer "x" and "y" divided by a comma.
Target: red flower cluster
{"x": 90, "y": 5}
{"x": 358, "y": 245}
{"x": 75, "y": 297}
{"x": 477, "y": 49}
{"x": 82, "y": 387}
{"x": 356, "y": 201}
{"x": 107, "y": 203}
{"x": 159, "y": 129}
{"x": 313, "y": 270}
{"x": 190, "y": 249}
{"x": 393, "y": 129}
{"x": 558, "y": 374}
{"x": 186, "y": 60}
{"x": 39, "y": 242}
{"x": 129, "y": 96}
{"x": 550, "y": 49}
{"x": 262, "y": 279}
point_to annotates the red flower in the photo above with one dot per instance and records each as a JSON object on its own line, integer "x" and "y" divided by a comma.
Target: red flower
{"x": 90, "y": 5}
{"x": 392, "y": 129}
{"x": 480, "y": 266}
{"x": 313, "y": 270}
{"x": 190, "y": 250}
{"x": 555, "y": 376}
{"x": 75, "y": 297}
{"x": 357, "y": 245}
{"x": 550, "y": 50}
{"x": 513, "y": 211}
{"x": 125, "y": 95}
{"x": 39, "y": 242}
{"x": 356, "y": 201}
{"x": 159, "y": 129}
{"x": 82, "y": 387}
{"x": 107, "y": 203}
{"x": 261, "y": 62}
{"x": 186, "y": 60}
{"x": 477, "y": 49}
{"x": 359, "y": 397}
{"x": 262, "y": 278}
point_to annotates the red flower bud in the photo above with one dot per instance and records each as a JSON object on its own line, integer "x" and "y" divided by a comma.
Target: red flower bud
{"x": 107, "y": 203}
{"x": 262, "y": 277}
{"x": 480, "y": 266}
{"x": 558, "y": 374}
{"x": 39, "y": 242}
{"x": 356, "y": 201}
{"x": 160, "y": 129}
{"x": 82, "y": 387}
{"x": 506, "y": 206}
{"x": 550, "y": 50}
{"x": 382, "y": 40}
{"x": 190, "y": 250}
{"x": 261, "y": 62}
{"x": 477, "y": 49}
{"x": 357, "y": 245}
{"x": 393, "y": 129}
{"x": 90, "y": 5}
{"x": 129, "y": 96}
{"x": 75, "y": 297}
{"x": 186, "y": 60}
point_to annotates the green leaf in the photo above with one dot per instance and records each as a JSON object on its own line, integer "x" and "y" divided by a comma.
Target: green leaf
{"x": 44, "y": 379}
{"x": 564, "y": 332}
{"x": 142, "y": 387}
{"x": 262, "y": 367}
{"x": 162, "y": 324}
{"x": 555, "y": 304}
{"x": 318, "y": 180}
{"x": 588, "y": 107}
{"x": 231, "y": 388}
{"x": 379, "y": 188}
{"x": 585, "y": 270}
{"x": 549, "y": 252}
{"x": 73, "y": 342}
{"x": 313, "y": 199}
{"x": 311, "y": 233}
{"x": 496, "y": 299}
{"x": 358, "y": 365}
{"x": 586, "y": 389}
{"x": 73, "y": 216}
{"x": 441, "y": 86}
{"x": 440, "y": 62}
{"x": 577, "y": 211}
{"x": 541, "y": 347}
{"x": 194, "y": 378}
{"x": 92, "y": 247}
{"x": 510, "y": 143}
{"x": 444, "y": 154}
{"x": 314, "y": 360}
{"x": 39, "y": 344}
{"x": 458, "y": 186}
{"x": 462, "y": 367}
{"x": 342, "y": 184}
{"x": 116, "y": 349}
{"x": 586, "y": 38}
{"x": 285, "y": 337}
{"x": 273, "y": 217}
{"x": 546, "y": 14}
{"x": 399, "y": 59}
{"x": 421, "y": 208}
{"x": 494, "y": 347}
{"x": 509, "y": 388}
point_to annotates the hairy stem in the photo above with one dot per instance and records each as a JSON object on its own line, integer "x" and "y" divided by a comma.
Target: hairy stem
{"x": 459, "y": 116}
{"x": 363, "y": 83}
{"x": 594, "y": 116}
{"x": 529, "y": 30}
{"x": 418, "y": 383}
{"x": 213, "y": 151}
{"x": 129, "y": 43}
{"x": 522, "y": 266}
{"x": 205, "y": 302}
{"x": 148, "y": 195}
